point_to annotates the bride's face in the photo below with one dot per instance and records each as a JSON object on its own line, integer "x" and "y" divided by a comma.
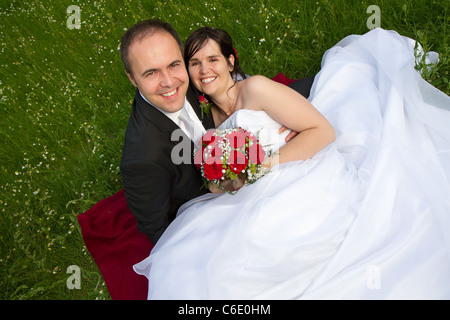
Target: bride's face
{"x": 210, "y": 70}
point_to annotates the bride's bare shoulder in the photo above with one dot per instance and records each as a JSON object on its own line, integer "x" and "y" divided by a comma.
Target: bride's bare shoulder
{"x": 256, "y": 85}
{"x": 252, "y": 92}
{"x": 256, "y": 81}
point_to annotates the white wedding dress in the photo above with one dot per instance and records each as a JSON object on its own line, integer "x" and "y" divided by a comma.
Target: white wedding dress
{"x": 368, "y": 217}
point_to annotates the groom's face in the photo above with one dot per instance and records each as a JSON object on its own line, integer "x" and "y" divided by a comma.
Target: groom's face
{"x": 159, "y": 71}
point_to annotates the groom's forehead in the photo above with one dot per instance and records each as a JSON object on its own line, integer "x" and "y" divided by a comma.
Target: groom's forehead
{"x": 154, "y": 38}
{"x": 155, "y": 49}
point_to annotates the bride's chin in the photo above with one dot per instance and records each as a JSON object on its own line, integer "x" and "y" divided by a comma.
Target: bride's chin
{"x": 207, "y": 91}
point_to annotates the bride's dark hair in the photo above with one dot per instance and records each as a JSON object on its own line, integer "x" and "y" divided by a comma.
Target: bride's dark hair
{"x": 198, "y": 39}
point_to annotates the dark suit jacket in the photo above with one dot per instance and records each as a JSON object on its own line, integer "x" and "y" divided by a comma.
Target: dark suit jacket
{"x": 154, "y": 186}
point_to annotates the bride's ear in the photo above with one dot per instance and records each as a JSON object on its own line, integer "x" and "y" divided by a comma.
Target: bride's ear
{"x": 231, "y": 62}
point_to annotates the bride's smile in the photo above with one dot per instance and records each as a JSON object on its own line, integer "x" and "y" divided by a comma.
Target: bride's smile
{"x": 208, "y": 80}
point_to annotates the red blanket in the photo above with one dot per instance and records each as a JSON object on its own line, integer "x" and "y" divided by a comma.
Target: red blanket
{"x": 111, "y": 236}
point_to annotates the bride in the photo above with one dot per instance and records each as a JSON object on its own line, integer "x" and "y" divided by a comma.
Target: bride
{"x": 361, "y": 211}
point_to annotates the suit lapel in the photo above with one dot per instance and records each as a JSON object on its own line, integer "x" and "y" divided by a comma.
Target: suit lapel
{"x": 158, "y": 119}
{"x": 153, "y": 115}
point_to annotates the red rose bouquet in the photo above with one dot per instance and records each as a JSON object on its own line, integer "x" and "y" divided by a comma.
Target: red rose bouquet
{"x": 230, "y": 158}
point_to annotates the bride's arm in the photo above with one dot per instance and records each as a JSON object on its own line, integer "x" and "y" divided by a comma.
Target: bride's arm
{"x": 294, "y": 111}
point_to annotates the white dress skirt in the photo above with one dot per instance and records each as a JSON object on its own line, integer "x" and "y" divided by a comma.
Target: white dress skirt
{"x": 368, "y": 217}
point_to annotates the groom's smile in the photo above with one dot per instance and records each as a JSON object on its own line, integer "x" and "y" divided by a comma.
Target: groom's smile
{"x": 170, "y": 94}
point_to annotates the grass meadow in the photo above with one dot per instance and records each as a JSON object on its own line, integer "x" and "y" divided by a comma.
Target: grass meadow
{"x": 65, "y": 102}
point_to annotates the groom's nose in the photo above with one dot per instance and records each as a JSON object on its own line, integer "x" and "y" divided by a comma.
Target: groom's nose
{"x": 166, "y": 79}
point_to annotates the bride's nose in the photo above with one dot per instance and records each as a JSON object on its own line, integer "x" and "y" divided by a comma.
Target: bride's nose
{"x": 203, "y": 69}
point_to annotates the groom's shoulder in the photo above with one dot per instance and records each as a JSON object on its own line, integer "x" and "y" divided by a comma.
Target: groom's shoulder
{"x": 139, "y": 125}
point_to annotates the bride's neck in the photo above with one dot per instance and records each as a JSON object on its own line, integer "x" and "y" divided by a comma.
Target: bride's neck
{"x": 226, "y": 101}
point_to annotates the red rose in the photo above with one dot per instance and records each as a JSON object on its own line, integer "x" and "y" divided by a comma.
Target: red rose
{"x": 213, "y": 168}
{"x": 203, "y": 100}
{"x": 213, "y": 149}
{"x": 256, "y": 153}
{"x": 236, "y": 138}
{"x": 207, "y": 138}
{"x": 237, "y": 161}
{"x": 235, "y": 52}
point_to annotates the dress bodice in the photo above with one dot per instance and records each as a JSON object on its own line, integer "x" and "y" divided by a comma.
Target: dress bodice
{"x": 265, "y": 128}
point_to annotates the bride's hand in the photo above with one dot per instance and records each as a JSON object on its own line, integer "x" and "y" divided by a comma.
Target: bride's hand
{"x": 291, "y": 134}
{"x": 228, "y": 185}
{"x": 214, "y": 188}
{"x": 270, "y": 161}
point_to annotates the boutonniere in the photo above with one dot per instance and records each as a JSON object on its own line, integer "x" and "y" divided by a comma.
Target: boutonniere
{"x": 205, "y": 105}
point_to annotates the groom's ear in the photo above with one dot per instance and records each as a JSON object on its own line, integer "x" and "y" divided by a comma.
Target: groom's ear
{"x": 130, "y": 76}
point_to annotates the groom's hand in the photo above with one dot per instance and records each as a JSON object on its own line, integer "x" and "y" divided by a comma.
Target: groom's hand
{"x": 291, "y": 134}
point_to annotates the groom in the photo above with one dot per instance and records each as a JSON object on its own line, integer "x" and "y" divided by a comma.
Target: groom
{"x": 155, "y": 186}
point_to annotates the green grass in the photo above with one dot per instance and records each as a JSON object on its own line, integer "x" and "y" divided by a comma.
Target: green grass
{"x": 65, "y": 102}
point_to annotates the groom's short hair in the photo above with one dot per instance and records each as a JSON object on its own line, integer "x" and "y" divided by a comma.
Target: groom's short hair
{"x": 141, "y": 30}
